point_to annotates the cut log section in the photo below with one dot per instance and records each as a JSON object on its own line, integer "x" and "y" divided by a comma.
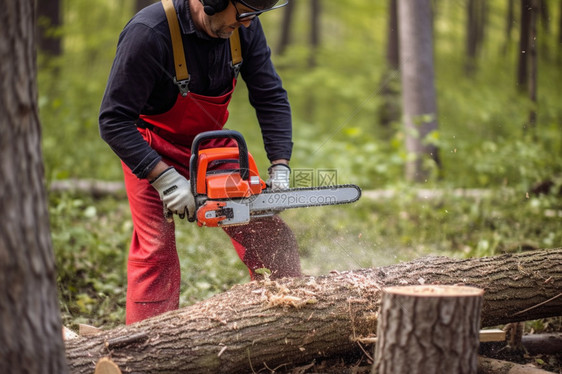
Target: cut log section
{"x": 68, "y": 334}
{"x": 428, "y": 329}
{"x": 87, "y": 330}
{"x": 269, "y": 324}
{"x": 106, "y": 366}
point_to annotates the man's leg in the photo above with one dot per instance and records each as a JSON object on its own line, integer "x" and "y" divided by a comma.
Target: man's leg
{"x": 153, "y": 270}
{"x": 267, "y": 243}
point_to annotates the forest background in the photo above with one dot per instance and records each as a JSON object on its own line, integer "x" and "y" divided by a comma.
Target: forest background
{"x": 497, "y": 188}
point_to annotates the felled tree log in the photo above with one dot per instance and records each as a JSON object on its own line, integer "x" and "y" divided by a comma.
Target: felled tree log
{"x": 428, "y": 329}
{"x": 96, "y": 188}
{"x": 269, "y": 324}
{"x": 542, "y": 343}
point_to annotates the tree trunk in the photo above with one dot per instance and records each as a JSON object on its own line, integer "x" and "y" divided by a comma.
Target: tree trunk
{"x": 510, "y": 20}
{"x": 428, "y": 329}
{"x": 30, "y": 324}
{"x": 49, "y": 20}
{"x": 471, "y": 36}
{"x": 392, "y": 44}
{"x": 285, "y": 39}
{"x": 389, "y": 111}
{"x": 522, "y": 75}
{"x": 314, "y": 42}
{"x": 533, "y": 62}
{"x": 291, "y": 321}
{"x": 418, "y": 86}
{"x": 476, "y": 22}
{"x": 545, "y": 15}
{"x": 314, "y": 32}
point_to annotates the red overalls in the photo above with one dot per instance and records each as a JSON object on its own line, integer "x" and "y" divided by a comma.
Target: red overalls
{"x": 153, "y": 270}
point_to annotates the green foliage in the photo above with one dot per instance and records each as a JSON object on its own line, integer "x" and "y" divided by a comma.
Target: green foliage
{"x": 71, "y": 87}
{"x": 89, "y": 239}
{"x": 337, "y": 103}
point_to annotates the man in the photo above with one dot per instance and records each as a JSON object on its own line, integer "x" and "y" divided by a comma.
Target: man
{"x": 149, "y": 118}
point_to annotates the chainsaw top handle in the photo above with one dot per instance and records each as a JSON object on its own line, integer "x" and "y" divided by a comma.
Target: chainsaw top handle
{"x": 218, "y": 134}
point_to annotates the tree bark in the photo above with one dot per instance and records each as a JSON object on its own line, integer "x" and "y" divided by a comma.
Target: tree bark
{"x": 292, "y": 321}
{"x": 30, "y": 324}
{"x": 418, "y": 86}
{"x": 428, "y": 329}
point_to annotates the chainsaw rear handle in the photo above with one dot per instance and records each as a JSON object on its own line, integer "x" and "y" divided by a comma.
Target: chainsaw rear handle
{"x": 218, "y": 134}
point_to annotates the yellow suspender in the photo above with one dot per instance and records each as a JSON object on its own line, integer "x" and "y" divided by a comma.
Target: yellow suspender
{"x": 177, "y": 45}
{"x": 182, "y": 75}
{"x": 235, "y": 51}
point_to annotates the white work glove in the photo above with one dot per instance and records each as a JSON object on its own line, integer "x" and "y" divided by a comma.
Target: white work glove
{"x": 278, "y": 177}
{"x": 175, "y": 193}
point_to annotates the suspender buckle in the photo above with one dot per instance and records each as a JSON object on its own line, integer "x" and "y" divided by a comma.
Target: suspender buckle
{"x": 183, "y": 85}
{"x": 236, "y": 68}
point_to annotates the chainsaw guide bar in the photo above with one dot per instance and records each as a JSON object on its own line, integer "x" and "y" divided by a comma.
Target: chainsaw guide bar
{"x": 305, "y": 197}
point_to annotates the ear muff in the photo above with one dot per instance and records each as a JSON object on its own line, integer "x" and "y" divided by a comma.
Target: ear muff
{"x": 212, "y": 7}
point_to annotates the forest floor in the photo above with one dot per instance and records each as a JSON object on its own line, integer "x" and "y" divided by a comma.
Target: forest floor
{"x": 361, "y": 363}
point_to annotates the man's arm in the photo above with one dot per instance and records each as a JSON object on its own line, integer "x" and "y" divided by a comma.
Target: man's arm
{"x": 131, "y": 80}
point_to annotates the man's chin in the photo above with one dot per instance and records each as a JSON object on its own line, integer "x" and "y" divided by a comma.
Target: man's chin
{"x": 225, "y": 33}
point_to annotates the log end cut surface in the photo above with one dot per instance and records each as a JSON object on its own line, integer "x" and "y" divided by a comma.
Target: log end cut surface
{"x": 435, "y": 291}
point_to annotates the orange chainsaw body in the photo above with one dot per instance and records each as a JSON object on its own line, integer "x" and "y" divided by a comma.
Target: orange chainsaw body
{"x": 227, "y": 184}
{"x": 221, "y": 185}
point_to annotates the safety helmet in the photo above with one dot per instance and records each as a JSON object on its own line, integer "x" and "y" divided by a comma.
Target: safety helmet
{"x": 215, "y": 6}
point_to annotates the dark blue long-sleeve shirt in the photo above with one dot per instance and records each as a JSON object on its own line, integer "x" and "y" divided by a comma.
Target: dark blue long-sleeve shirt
{"x": 141, "y": 82}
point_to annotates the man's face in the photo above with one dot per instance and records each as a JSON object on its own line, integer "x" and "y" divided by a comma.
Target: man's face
{"x": 223, "y": 24}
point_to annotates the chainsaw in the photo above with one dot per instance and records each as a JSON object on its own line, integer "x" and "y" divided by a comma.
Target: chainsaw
{"x": 229, "y": 197}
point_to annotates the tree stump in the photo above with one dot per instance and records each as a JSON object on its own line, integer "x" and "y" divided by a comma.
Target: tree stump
{"x": 428, "y": 329}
